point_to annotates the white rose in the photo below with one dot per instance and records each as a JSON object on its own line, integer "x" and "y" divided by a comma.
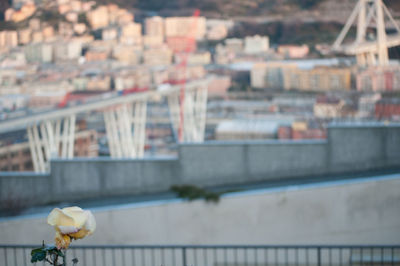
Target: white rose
{"x": 71, "y": 222}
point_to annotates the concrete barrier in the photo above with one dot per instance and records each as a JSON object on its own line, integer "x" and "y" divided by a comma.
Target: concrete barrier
{"x": 348, "y": 149}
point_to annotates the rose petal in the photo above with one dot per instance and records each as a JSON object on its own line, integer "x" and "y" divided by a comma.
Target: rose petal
{"x": 79, "y": 215}
{"x": 58, "y": 218}
{"x": 68, "y": 229}
{"x": 90, "y": 224}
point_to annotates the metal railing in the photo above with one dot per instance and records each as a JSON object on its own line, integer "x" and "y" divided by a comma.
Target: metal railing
{"x": 215, "y": 255}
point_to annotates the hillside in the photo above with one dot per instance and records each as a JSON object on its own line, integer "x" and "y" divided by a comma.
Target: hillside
{"x": 229, "y": 8}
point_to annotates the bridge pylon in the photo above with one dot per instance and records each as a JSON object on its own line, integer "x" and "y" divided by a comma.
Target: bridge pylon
{"x": 51, "y": 139}
{"x": 369, "y": 52}
{"x": 126, "y": 129}
{"x": 194, "y": 108}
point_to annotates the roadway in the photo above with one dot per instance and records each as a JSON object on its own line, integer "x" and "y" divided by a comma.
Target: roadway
{"x": 35, "y": 118}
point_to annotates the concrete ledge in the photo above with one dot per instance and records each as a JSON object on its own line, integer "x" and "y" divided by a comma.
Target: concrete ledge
{"x": 348, "y": 149}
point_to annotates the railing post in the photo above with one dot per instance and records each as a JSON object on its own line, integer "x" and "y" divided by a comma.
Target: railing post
{"x": 184, "y": 256}
{"x": 319, "y": 255}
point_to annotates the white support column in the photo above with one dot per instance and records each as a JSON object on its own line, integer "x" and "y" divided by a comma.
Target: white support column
{"x": 39, "y": 149}
{"x": 139, "y": 126}
{"x": 201, "y": 111}
{"x": 382, "y": 48}
{"x": 32, "y": 146}
{"x": 49, "y": 128}
{"x": 361, "y": 25}
{"x": 126, "y": 131}
{"x": 71, "y": 136}
{"x": 195, "y": 107}
{"x": 64, "y": 140}
{"x": 57, "y": 137}
{"x": 174, "y": 110}
{"x": 110, "y": 139}
{"x": 45, "y": 142}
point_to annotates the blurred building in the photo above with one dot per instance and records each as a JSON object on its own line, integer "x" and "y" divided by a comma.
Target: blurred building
{"x": 40, "y": 99}
{"x": 13, "y": 102}
{"x": 39, "y": 53}
{"x": 126, "y": 54}
{"x": 388, "y": 108}
{"x": 98, "y": 18}
{"x": 328, "y": 107}
{"x": 24, "y": 36}
{"x": 191, "y": 27}
{"x": 285, "y": 75}
{"x": 8, "y": 38}
{"x": 272, "y": 75}
{"x": 300, "y": 130}
{"x": 293, "y": 51}
{"x": 197, "y": 58}
{"x": 99, "y": 83}
{"x": 378, "y": 78}
{"x": 67, "y": 50}
{"x": 158, "y": 56}
{"x": 152, "y": 41}
{"x": 256, "y": 44}
{"x": 96, "y": 54}
{"x": 217, "y": 29}
{"x": 248, "y": 129}
{"x": 109, "y": 33}
{"x": 154, "y": 26}
{"x": 235, "y": 45}
{"x": 181, "y": 44}
{"x": 131, "y": 34}
{"x": 219, "y": 85}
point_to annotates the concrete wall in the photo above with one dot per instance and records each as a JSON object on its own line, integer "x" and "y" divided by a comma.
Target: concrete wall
{"x": 361, "y": 211}
{"x": 347, "y": 149}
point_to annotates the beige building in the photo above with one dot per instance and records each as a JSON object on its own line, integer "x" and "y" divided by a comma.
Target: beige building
{"x": 320, "y": 79}
{"x": 24, "y": 36}
{"x": 293, "y": 51}
{"x": 154, "y": 26}
{"x": 159, "y": 56}
{"x": 271, "y": 75}
{"x": 98, "y": 18}
{"x": 48, "y": 33}
{"x": 39, "y": 53}
{"x": 234, "y": 44}
{"x": 34, "y": 24}
{"x": 216, "y": 30}
{"x": 256, "y": 44}
{"x": 8, "y": 38}
{"x": 37, "y": 37}
{"x": 110, "y": 33}
{"x": 219, "y": 86}
{"x": 80, "y": 28}
{"x": 197, "y": 58}
{"x": 131, "y": 34}
{"x": 99, "y": 83}
{"x": 194, "y": 27}
{"x": 326, "y": 108}
{"x": 65, "y": 29}
{"x": 150, "y": 41}
{"x": 69, "y": 50}
{"x": 126, "y": 54}
{"x": 72, "y": 17}
{"x": 284, "y": 75}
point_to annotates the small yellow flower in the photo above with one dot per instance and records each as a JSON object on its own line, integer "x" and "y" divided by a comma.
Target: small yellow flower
{"x": 71, "y": 222}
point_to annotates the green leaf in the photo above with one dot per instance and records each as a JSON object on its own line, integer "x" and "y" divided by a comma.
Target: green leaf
{"x": 38, "y": 254}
